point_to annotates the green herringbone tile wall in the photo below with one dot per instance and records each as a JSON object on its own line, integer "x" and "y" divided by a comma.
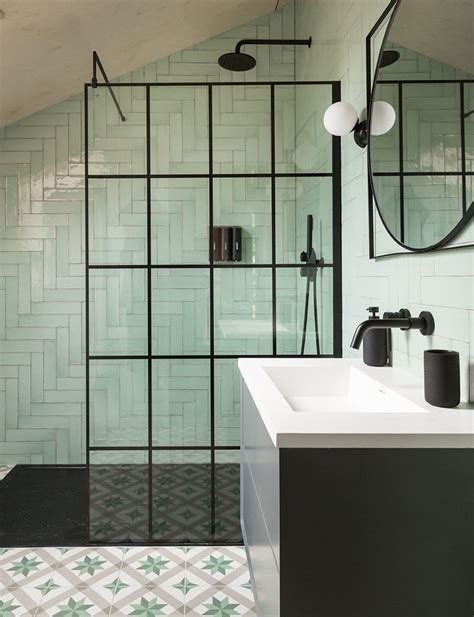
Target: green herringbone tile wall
{"x": 42, "y": 383}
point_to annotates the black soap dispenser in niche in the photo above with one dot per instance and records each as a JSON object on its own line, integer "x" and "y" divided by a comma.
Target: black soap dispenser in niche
{"x": 375, "y": 343}
{"x": 227, "y": 243}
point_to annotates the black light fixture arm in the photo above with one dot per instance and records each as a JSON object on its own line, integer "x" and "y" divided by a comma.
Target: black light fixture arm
{"x": 243, "y": 42}
{"x": 96, "y": 63}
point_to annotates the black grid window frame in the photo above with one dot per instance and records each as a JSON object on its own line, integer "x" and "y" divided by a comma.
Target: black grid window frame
{"x": 273, "y": 266}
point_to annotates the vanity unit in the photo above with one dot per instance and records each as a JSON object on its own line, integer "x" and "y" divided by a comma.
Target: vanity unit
{"x": 357, "y": 496}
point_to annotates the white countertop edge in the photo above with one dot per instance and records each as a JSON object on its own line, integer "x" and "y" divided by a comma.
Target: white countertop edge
{"x": 364, "y": 440}
{"x": 443, "y": 428}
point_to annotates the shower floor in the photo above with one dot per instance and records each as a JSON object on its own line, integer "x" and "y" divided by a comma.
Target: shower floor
{"x": 165, "y": 504}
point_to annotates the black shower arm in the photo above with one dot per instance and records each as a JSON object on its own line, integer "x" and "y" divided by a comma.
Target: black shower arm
{"x": 306, "y": 42}
{"x": 96, "y": 63}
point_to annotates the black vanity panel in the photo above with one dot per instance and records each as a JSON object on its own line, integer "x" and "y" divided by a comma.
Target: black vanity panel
{"x": 356, "y": 532}
{"x": 376, "y": 533}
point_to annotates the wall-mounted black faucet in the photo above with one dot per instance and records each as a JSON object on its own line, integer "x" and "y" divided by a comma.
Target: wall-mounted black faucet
{"x": 403, "y": 320}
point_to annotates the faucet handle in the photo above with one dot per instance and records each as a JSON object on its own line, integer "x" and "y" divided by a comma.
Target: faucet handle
{"x": 373, "y": 310}
{"x": 402, "y": 313}
{"x": 405, "y": 313}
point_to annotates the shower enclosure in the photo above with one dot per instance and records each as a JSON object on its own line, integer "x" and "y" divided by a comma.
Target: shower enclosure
{"x": 165, "y": 322}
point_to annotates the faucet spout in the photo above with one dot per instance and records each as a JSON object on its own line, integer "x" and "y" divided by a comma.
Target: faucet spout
{"x": 372, "y": 324}
{"x": 424, "y": 322}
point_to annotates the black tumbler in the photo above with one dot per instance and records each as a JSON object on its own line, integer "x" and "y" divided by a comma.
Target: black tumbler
{"x": 442, "y": 382}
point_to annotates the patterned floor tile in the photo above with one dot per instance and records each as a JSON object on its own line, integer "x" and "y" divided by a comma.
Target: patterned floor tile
{"x": 147, "y": 604}
{"x": 188, "y": 588}
{"x": 221, "y": 602}
{"x": 89, "y": 567}
{"x": 183, "y": 586}
{"x": 123, "y": 581}
{"x": 151, "y": 567}
{"x": 118, "y": 503}
{"x": 17, "y": 603}
{"x": 242, "y": 585}
{"x": 217, "y": 566}
{"x": 176, "y": 554}
{"x": 86, "y": 602}
{"x": 25, "y": 567}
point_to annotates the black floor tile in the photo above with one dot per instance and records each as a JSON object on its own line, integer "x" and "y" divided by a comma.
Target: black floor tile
{"x": 42, "y": 505}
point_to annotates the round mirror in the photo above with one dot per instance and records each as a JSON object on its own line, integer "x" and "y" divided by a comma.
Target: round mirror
{"x": 422, "y": 167}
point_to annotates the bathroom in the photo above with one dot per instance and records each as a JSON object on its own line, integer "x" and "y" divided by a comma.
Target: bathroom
{"x": 190, "y": 241}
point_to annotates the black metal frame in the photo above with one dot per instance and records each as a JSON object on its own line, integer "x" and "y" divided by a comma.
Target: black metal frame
{"x": 96, "y": 63}
{"x": 468, "y": 212}
{"x": 335, "y": 174}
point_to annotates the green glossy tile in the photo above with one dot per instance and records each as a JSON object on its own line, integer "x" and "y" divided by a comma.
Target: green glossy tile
{"x": 227, "y": 402}
{"x": 117, "y": 221}
{"x": 238, "y": 107}
{"x": 246, "y": 203}
{"x": 180, "y": 310}
{"x": 118, "y": 315}
{"x": 179, "y": 129}
{"x": 118, "y": 403}
{"x": 180, "y": 221}
{"x": 181, "y": 402}
{"x": 243, "y": 311}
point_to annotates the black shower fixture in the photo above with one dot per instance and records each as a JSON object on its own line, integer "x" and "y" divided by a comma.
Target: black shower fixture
{"x": 239, "y": 61}
{"x": 390, "y": 56}
{"x": 97, "y": 64}
{"x": 310, "y": 272}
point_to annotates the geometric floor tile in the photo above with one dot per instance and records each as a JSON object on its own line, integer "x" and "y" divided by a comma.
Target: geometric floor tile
{"x": 121, "y": 581}
{"x": 221, "y": 601}
{"x": 181, "y": 499}
{"x": 218, "y": 566}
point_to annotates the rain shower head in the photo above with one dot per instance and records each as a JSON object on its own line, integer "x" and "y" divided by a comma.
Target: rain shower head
{"x": 238, "y": 61}
{"x": 389, "y": 57}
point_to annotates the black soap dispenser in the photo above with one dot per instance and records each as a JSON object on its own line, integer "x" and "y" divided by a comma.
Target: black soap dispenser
{"x": 375, "y": 348}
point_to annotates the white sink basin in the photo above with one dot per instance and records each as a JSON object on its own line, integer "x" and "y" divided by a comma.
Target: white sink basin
{"x": 341, "y": 403}
{"x": 346, "y": 390}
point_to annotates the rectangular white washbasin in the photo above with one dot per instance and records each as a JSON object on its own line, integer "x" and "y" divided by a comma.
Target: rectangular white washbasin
{"x": 341, "y": 403}
{"x": 345, "y": 390}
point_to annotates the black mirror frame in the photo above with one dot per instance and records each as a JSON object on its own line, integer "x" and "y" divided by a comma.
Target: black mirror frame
{"x": 370, "y": 88}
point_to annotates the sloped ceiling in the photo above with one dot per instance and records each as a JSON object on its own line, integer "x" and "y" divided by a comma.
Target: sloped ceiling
{"x": 46, "y": 45}
{"x": 440, "y": 29}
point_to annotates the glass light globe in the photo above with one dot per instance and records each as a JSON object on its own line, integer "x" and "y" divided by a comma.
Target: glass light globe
{"x": 340, "y": 118}
{"x": 382, "y": 118}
